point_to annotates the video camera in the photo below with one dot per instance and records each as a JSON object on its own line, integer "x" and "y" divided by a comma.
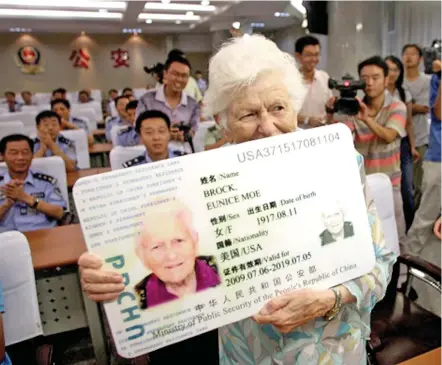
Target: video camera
{"x": 348, "y": 87}
{"x": 154, "y": 69}
{"x": 430, "y": 54}
{"x": 186, "y": 132}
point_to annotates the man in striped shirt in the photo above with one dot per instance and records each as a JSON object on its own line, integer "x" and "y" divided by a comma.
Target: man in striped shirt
{"x": 378, "y": 129}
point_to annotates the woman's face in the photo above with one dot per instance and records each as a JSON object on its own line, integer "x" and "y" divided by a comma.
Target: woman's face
{"x": 393, "y": 72}
{"x": 261, "y": 110}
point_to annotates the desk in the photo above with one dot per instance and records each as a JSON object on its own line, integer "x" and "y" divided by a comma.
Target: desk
{"x": 99, "y": 154}
{"x": 56, "y": 246}
{"x": 60, "y": 246}
{"x": 100, "y": 148}
{"x": 99, "y": 132}
{"x": 73, "y": 176}
{"x": 99, "y": 135}
{"x": 429, "y": 358}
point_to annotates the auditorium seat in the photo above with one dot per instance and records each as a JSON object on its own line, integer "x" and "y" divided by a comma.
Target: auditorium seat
{"x": 8, "y": 128}
{"x": 198, "y": 139}
{"x": 118, "y": 155}
{"x": 28, "y": 120}
{"x": 79, "y": 136}
{"x": 400, "y": 328}
{"x": 21, "y": 321}
{"x": 89, "y": 114}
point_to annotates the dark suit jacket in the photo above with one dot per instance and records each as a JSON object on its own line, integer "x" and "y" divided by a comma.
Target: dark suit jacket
{"x": 327, "y": 237}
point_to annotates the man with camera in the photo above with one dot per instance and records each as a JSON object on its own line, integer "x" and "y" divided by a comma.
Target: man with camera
{"x": 182, "y": 109}
{"x": 377, "y": 123}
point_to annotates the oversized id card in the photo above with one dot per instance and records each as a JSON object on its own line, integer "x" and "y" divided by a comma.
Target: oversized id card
{"x": 205, "y": 240}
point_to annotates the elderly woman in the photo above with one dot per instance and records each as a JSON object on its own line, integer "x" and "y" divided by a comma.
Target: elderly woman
{"x": 256, "y": 90}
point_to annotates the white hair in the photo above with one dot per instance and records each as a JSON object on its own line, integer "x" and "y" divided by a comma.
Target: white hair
{"x": 239, "y": 62}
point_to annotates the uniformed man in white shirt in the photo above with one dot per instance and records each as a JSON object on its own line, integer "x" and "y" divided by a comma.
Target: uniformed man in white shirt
{"x": 50, "y": 142}
{"x": 153, "y": 127}
{"x": 29, "y": 200}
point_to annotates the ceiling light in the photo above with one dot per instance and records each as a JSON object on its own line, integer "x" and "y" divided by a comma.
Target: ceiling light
{"x": 304, "y": 23}
{"x": 180, "y": 7}
{"x": 282, "y": 15}
{"x": 189, "y": 13}
{"x": 155, "y": 16}
{"x": 205, "y": 2}
{"x": 149, "y": 21}
{"x": 177, "y": 21}
{"x": 297, "y": 4}
{"x": 61, "y": 14}
{"x": 359, "y": 27}
{"x": 82, "y": 4}
{"x": 236, "y": 25}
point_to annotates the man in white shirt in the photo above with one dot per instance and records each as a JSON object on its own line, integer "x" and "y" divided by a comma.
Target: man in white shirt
{"x": 312, "y": 113}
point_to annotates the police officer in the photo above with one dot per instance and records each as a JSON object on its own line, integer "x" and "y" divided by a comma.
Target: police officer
{"x": 51, "y": 143}
{"x": 63, "y": 108}
{"x": 29, "y": 200}
{"x": 153, "y": 127}
{"x": 128, "y": 136}
{"x": 121, "y": 120}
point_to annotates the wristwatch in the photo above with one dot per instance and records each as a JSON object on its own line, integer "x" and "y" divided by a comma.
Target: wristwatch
{"x": 332, "y": 313}
{"x": 35, "y": 205}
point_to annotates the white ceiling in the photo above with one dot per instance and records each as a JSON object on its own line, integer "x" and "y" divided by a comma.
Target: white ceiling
{"x": 114, "y": 16}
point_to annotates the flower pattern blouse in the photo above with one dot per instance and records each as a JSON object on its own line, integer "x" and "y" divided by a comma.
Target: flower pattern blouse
{"x": 337, "y": 342}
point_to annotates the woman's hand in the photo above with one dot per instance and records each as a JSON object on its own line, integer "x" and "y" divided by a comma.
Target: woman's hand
{"x": 295, "y": 309}
{"x": 98, "y": 284}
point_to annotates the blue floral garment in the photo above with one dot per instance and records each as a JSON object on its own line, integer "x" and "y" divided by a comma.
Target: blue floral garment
{"x": 338, "y": 342}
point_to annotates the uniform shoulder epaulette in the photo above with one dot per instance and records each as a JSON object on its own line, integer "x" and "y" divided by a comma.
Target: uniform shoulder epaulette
{"x": 178, "y": 153}
{"x": 134, "y": 161}
{"x": 124, "y": 130}
{"x": 65, "y": 140}
{"x": 44, "y": 177}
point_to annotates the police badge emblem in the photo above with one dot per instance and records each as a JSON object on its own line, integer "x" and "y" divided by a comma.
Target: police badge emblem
{"x": 29, "y": 59}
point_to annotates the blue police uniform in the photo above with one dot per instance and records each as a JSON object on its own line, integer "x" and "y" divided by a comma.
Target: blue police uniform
{"x": 22, "y": 217}
{"x": 80, "y": 123}
{"x": 65, "y": 144}
{"x": 128, "y": 137}
{"x": 113, "y": 122}
{"x": 145, "y": 158}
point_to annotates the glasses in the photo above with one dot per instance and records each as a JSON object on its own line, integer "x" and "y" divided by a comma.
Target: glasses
{"x": 311, "y": 55}
{"x": 177, "y": 75}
